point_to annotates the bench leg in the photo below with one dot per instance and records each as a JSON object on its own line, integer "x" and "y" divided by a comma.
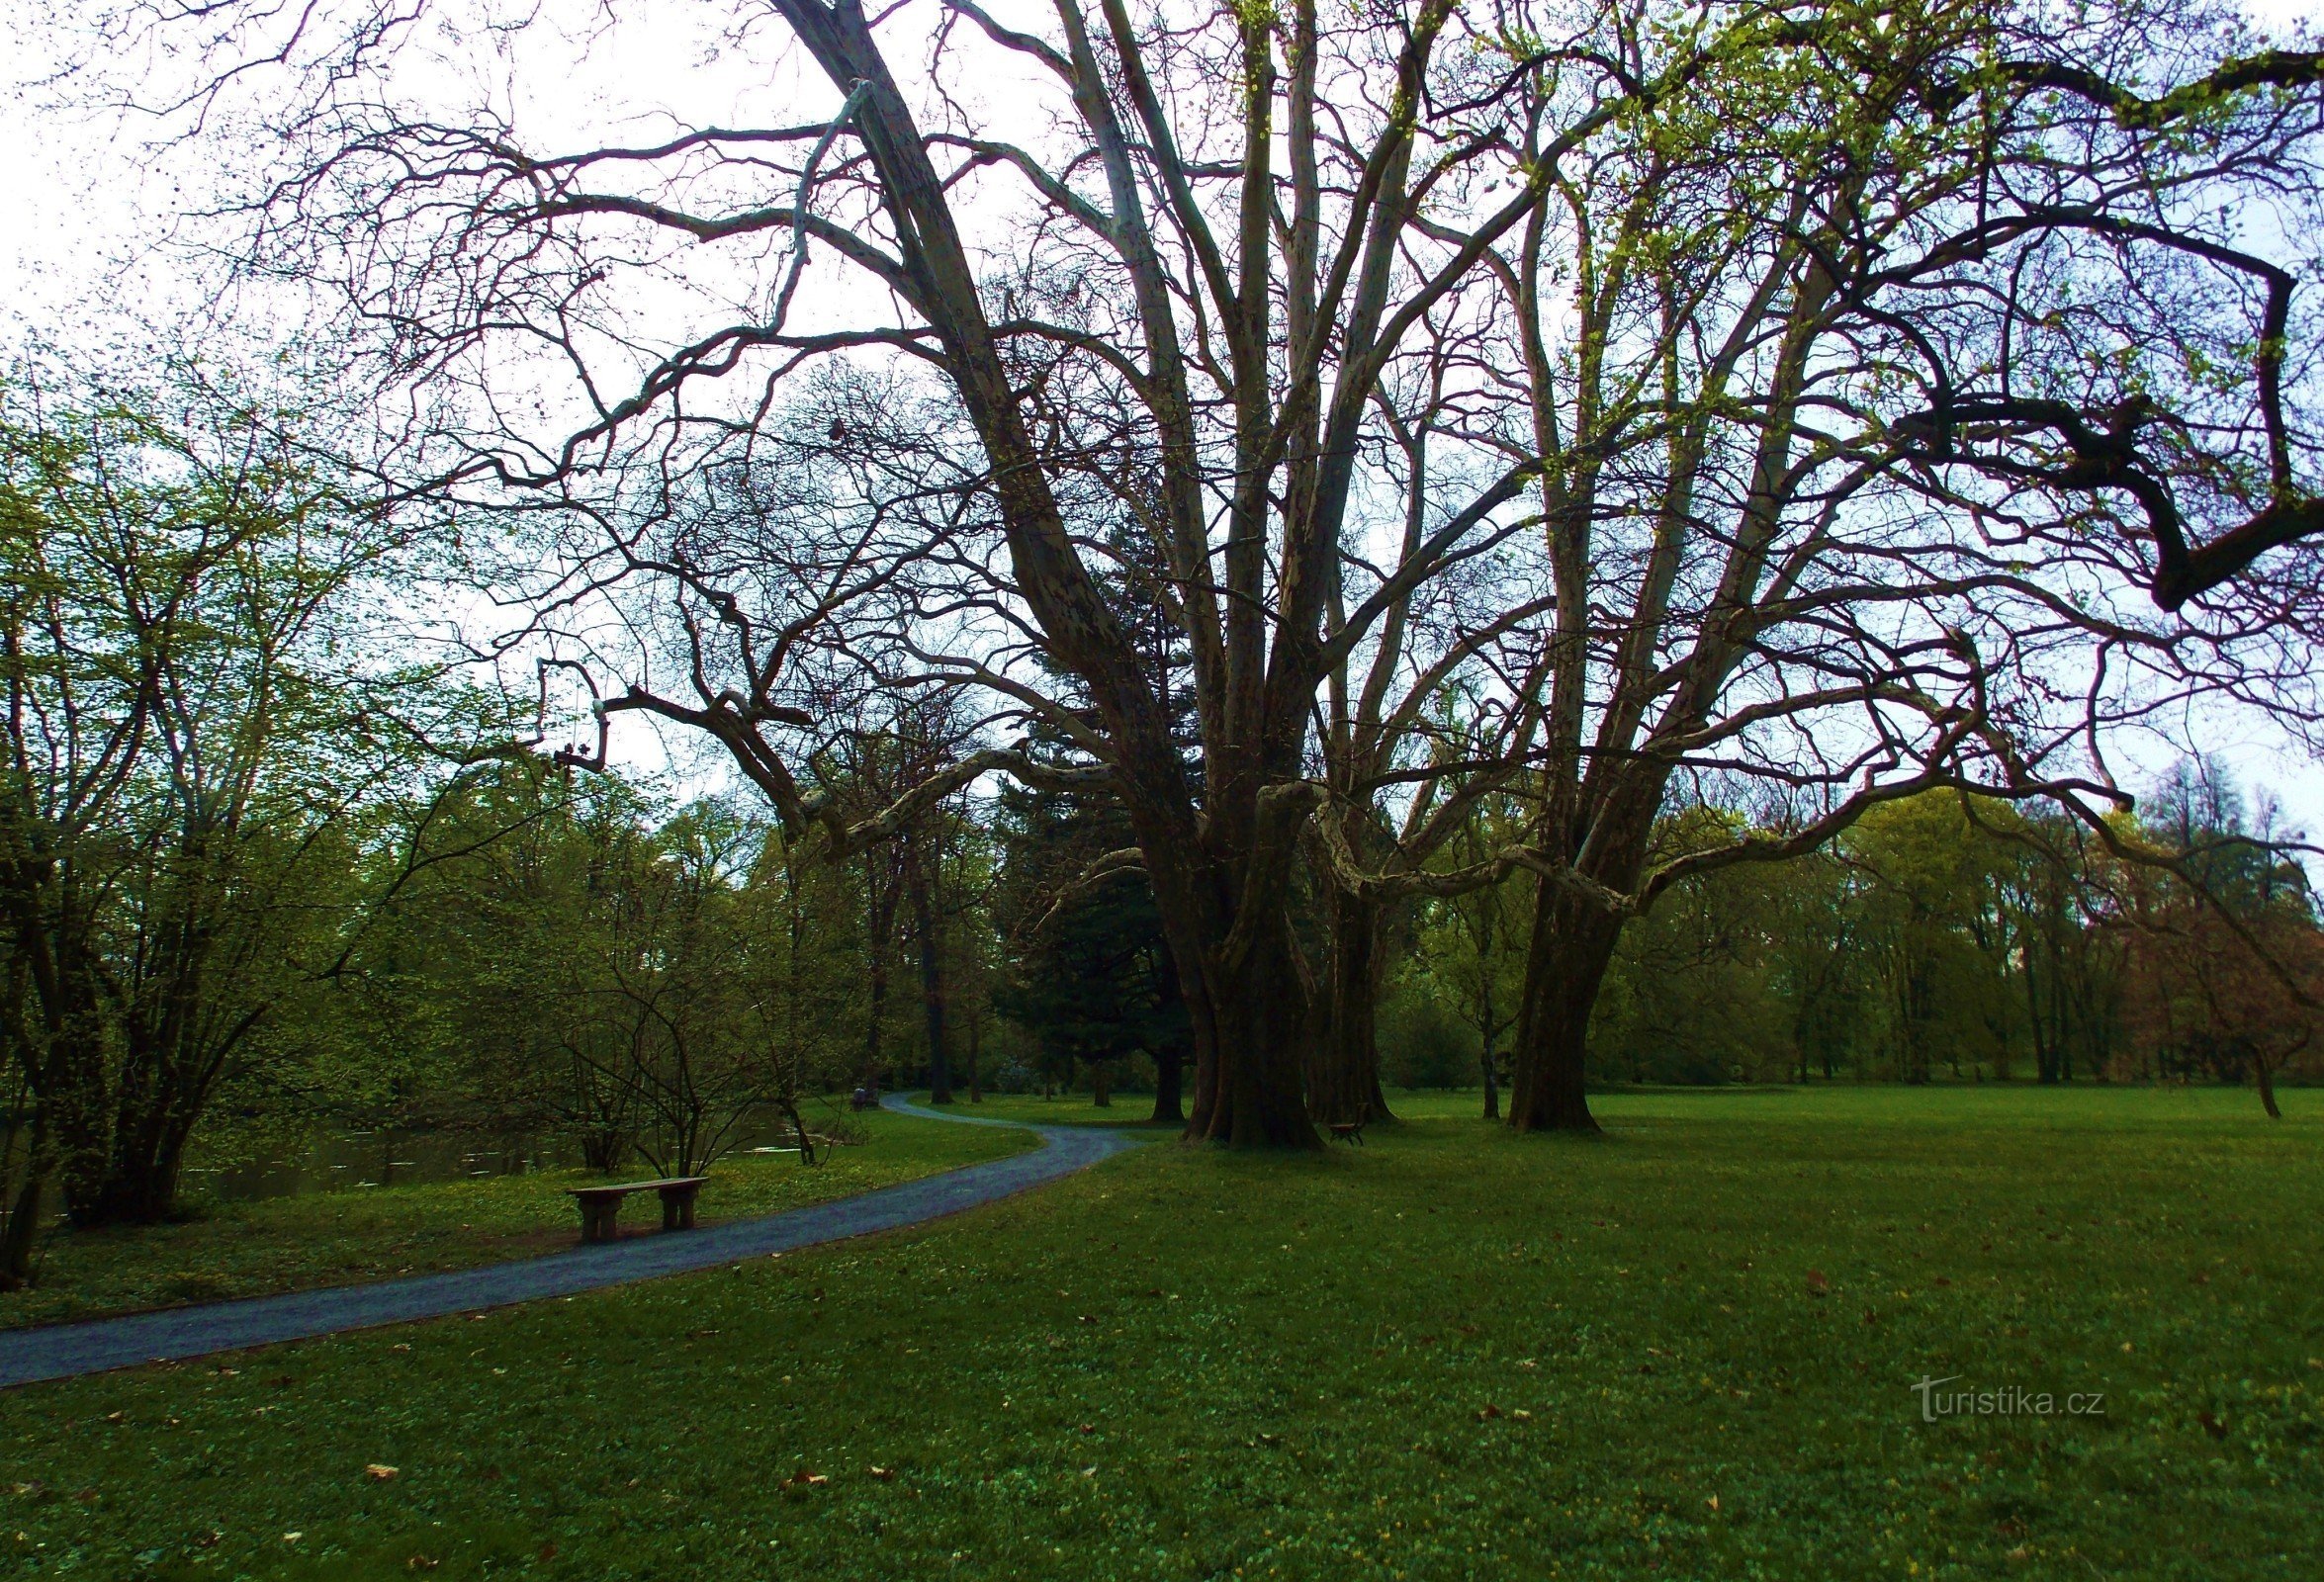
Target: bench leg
{"x": 598, "y": 1220}
{"x": 677, "y": 1207}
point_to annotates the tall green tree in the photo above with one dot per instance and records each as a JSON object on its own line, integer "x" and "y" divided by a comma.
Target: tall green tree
{"x": 189, "y": 747}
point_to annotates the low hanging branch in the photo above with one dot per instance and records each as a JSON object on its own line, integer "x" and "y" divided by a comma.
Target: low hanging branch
{"x": 735, "y": 725}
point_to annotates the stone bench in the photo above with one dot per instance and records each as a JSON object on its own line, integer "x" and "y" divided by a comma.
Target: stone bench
{"x": 599, "y": 1205}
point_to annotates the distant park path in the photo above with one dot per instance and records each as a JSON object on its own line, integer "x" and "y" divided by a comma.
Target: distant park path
{"x": 62, "y": 1351}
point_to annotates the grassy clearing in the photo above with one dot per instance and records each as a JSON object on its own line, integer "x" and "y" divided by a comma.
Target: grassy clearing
{"x": 1685, "y": 1350}
{"x": 339, "y": 1238}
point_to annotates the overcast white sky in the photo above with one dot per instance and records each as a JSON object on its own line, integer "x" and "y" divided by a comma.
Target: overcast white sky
{"x": 89, "y": 211}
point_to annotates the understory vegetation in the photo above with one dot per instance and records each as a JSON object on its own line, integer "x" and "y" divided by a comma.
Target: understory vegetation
{"x": 343, "y": 1237}
{"x": 1685, "y": 1349}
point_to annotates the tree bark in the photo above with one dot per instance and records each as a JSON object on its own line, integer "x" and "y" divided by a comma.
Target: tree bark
{"x": 931, "y": 982}
{"x": 1169, "y": 1078}
{"x": 1343, "y": 1082}
{"x": 879, "y": 929}
{"x": 23, "y": 1232}
{"x": 1247, "y": 991}
{"x": 1565, "y": 962}
{"x": 2267, "y": 1081}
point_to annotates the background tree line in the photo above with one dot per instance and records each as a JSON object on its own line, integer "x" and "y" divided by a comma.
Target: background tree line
{"x": 253, "y": 874}
{"x": 1942, "y": 937}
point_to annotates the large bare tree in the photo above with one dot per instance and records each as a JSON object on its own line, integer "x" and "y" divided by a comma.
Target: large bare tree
{"x": 1835, "y": 375}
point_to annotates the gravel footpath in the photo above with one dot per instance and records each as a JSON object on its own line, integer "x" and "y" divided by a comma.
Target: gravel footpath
{"x": 62, "y": 1351}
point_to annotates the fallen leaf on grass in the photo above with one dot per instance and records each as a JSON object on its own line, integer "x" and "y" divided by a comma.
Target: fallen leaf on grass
{"x": 1817, "y": 1283}
{"x": 1487, "y": 1412}
{"x": 885, "y": 1474}
{"x": 2213, "y": 1426}
{"x": 380, "y": 1472}
{"x": 805, "y": 1479}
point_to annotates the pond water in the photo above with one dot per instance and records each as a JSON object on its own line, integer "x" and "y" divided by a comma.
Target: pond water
{"x": 392, "y": 1157}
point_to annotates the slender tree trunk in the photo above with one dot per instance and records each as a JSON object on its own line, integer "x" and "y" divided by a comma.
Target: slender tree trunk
{"x": 1566, "y": 963}
{"x": 879, "y": 1013}
{"x": 1100, "y": 1084}
{"x": 932, "y": 985}
{"x": 975, "y": 1060}
{"x": 23, "y": 1231}
{"x": 2267, "y": 1081}
{"x": 879, "y": 920}
{"x": 1487, "y": 1026}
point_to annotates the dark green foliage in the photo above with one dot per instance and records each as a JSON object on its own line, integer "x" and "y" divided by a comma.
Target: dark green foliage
{"x": 1090, "y": 979}
{"x": 1422, "y": 1041}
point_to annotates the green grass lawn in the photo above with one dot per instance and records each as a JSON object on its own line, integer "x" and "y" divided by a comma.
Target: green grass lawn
{"x": 338, "y": 1238}
{"x": 1682, "y": 1351}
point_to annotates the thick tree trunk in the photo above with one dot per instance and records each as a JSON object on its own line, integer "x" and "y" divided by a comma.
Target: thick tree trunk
{"x": 153, "y": 1122}
{"x": 1566, "y": 963}
{"x": 141, "y": 1191}
{"x": 1247, "y": 991}
{"x": 1251, "y": 1033}
{"x": 1169, "y": 1107}
{"x": 1343, "y": 1078}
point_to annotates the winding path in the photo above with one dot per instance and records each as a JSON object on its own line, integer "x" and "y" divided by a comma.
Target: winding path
{"x": 62, "y": 1351}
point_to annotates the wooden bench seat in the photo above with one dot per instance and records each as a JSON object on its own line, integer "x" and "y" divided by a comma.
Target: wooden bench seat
{"x": 599, "y": 1205}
